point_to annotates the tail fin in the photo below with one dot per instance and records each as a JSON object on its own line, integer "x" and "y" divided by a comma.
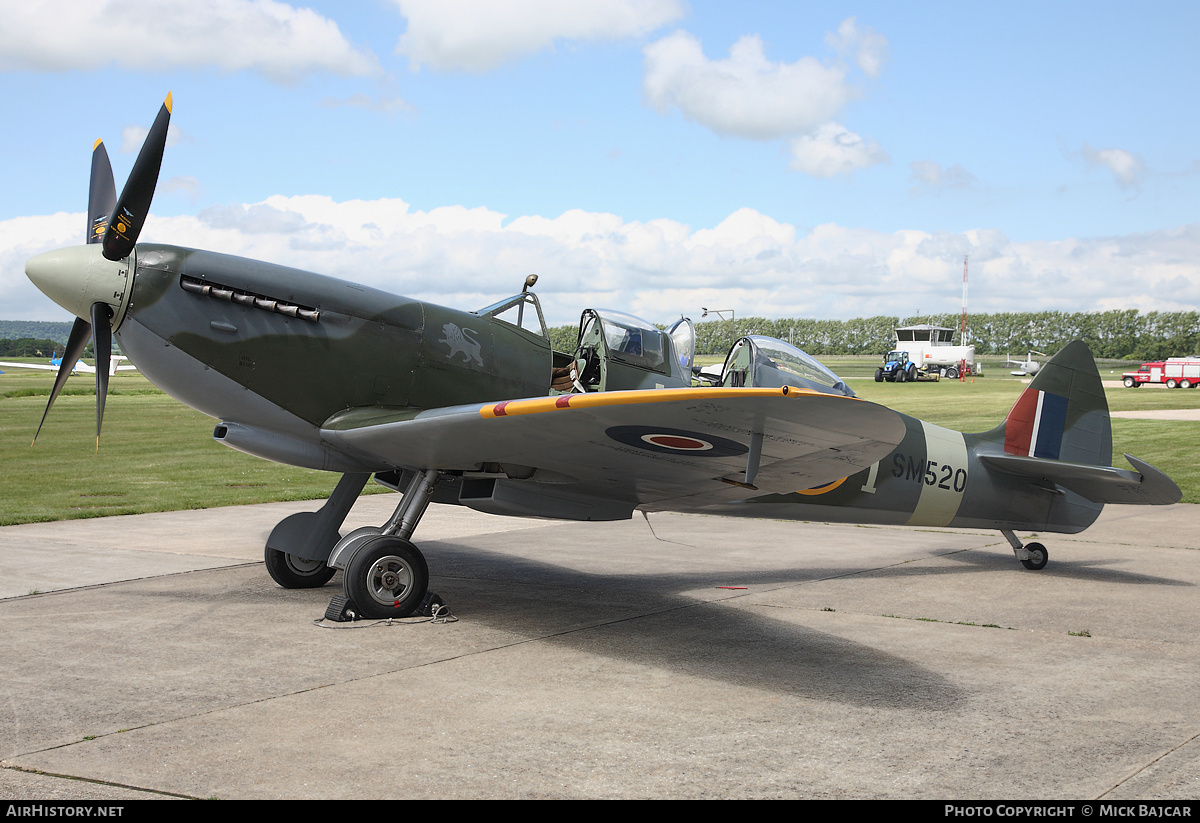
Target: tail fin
{"x": 1063, "y": 414}
{"x": 1059, "y": 432}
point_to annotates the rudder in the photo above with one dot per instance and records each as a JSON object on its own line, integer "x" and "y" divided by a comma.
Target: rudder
{"x": 1063, "y": 413}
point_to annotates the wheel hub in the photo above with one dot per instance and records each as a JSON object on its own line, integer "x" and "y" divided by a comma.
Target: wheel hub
{"x": 389, "y": 578}
{"x": 303, "y": 566}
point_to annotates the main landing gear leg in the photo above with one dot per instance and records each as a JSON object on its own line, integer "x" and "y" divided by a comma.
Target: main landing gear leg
{"x": 1032, "y": 555}
{"x": 385, "y": 574}
{"x": 300, "y": 544}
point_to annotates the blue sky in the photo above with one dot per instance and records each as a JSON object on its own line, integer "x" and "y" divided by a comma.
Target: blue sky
{"x": 783, "y": 159}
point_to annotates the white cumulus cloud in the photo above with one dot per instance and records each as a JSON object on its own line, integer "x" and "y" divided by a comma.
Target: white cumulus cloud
{"x": 280, "y": 41}
{"x": 750, "y": 262}
{"x": 1126, "y": 167}
{"x": 744, "y": 94}
{"x": 833, "y": 149}
{"x": 747, "y": 95}
{"x": 479, "y": 35}
{"x": 867, "y": 47}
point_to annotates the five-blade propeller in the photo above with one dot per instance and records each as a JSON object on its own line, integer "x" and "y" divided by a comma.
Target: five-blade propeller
{"x": 116, "y": 223}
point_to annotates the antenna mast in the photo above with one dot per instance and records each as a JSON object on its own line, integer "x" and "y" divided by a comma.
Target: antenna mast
{"x": 962, "y": 338}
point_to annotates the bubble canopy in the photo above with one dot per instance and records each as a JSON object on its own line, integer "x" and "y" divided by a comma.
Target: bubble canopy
{"x": 761, "y": 361}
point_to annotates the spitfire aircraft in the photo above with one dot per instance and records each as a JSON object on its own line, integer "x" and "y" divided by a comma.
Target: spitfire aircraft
{"x": 477, "y": 409}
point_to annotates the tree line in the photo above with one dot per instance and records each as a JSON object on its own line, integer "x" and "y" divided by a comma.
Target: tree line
{"x": 57, "y": 331}
{"x": 1125, "y": 334}
{"x": 29, "y": 347}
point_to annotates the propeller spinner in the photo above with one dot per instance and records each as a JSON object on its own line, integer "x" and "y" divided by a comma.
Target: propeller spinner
{"x": 91, "y": 281}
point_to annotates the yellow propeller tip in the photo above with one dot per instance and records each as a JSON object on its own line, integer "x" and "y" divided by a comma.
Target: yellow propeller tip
{"x": 167, "y": 102}
{"x": 96, "y": 145}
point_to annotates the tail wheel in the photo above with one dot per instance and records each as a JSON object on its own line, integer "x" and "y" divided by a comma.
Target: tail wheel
{"x": 1038, "y": 556}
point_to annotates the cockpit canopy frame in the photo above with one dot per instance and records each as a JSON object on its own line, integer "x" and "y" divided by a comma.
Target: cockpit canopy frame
{"x": 767, "y": 362}
{"x": 620, "y": 351}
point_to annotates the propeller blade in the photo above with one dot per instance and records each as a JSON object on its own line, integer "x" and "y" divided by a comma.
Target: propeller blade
{"x": 80, "y": 332}
{"x": 102, "y": 337}
{"x": 129, "y": 213}
{"x": 102, "y": 194}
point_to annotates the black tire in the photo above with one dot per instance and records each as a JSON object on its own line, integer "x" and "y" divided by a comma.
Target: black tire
{"x": 952, "y": 373}
{"x": 292, "y": 572}
{"x": 1039, "y": 556}
{"x": 386, "y": 577}
{"x": 900, "y": 375}
{"x": 879, "y": 375}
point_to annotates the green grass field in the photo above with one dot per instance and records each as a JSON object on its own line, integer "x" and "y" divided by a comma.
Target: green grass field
{"x": 158, "y": 455}
{"x": 155, "y": 455}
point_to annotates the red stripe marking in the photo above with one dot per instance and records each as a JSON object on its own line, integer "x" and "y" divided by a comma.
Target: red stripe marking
{"x": 1018, "y": 429}
{"x": 498, "y": 409}
{"x": 563, "y": 402}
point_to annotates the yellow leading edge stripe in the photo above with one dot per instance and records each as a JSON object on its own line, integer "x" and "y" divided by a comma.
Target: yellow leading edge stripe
{"x": 538, "y": 405}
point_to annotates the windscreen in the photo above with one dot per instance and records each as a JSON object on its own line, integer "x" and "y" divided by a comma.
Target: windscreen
{"x": 632, "y": 340}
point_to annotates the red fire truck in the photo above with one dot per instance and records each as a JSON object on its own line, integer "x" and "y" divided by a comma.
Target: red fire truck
{"x": 1181, "y": 372}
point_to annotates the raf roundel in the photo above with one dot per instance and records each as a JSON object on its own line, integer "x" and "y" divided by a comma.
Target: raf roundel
{"x": 675, "y": 441}
{"x": 679, "y": 442}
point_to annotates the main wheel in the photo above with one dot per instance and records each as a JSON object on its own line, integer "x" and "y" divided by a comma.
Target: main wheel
{"x": 1038, "y": 556}
{"x": 294, "y": 572}
{"x": 386, "y": 577}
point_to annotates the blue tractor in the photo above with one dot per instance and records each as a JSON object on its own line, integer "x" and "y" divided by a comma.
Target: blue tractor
{"x": 896, "y": 368}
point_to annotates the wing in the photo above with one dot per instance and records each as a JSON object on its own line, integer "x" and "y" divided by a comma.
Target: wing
{"x": 648, "y": 448}
{"x": 29, "y": 366}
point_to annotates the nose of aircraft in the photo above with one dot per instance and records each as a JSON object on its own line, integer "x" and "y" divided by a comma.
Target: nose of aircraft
{"x": 75, "y": 277}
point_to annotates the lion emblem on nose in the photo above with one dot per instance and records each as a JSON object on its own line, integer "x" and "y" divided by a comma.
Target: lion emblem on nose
{"x": 461, "y": 341}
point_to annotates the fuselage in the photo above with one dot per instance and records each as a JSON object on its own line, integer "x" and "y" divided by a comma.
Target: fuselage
{"x": 282, "y": 350}
{"x": 275, "y": 353}
{"x": 933, "y": 478}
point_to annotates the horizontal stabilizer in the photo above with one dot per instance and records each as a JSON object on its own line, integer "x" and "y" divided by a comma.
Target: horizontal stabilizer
{"x": 1100, "y": 484}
